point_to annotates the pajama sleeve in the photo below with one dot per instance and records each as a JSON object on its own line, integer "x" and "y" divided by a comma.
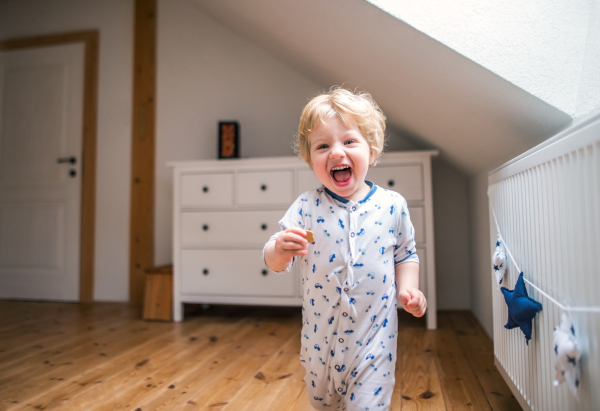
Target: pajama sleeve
{"x": 293, "y": 217}
{"x": 405, "y": 250}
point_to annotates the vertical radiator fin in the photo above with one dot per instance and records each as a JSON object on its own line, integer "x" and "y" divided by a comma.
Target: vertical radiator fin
{"x": 547, "y": 203}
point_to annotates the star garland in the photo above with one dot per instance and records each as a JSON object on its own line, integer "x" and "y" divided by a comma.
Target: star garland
{"x": 567, "y": 355}
{"x": 499, "y": 262}
{"x": 522, "y": 309}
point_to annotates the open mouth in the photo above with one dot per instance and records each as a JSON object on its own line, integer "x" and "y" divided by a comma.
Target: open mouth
{"x": 341, "y": 174}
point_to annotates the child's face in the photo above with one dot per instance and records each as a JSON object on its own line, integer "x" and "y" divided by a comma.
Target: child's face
{"x": 340, "y": 157}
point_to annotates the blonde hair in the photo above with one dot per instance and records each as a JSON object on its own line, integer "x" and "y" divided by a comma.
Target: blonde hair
{"x": 351, "y": 107}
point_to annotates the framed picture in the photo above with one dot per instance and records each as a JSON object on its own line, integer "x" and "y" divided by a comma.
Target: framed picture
{"x": 229, "y": 143}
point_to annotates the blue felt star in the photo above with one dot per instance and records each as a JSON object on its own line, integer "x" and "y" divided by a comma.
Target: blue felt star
{"x": 521, "y": 308}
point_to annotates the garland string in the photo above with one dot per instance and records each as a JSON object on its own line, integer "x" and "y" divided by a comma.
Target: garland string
{"x": 562, "y": 306}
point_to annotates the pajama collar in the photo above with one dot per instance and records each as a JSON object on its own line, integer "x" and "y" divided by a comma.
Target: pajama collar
{"x": 345, "y": 202}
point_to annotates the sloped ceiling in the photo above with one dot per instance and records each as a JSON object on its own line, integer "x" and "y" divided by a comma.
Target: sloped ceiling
{"x": 474, "y": 117}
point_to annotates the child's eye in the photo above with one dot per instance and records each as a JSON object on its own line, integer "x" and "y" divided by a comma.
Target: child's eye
{"x": 349, "y": 141}
{"x": 322, "y": 146}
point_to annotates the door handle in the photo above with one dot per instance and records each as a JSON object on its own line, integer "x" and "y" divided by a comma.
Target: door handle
{"x": 70, "y": 160}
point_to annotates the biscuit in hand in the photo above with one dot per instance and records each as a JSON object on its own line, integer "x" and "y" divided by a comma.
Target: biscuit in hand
{"x": 310, "y": 237}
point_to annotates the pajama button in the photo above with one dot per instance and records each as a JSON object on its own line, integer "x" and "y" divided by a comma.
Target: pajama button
{"x": 353, "y": 208}
{"x": 345, "y": 314}
{"x": 341, "y": 340}
{"x": 351, "y": 234}
{"x": 346, "y": 289}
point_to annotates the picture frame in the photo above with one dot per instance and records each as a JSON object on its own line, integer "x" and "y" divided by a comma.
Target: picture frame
{"x": 229, "y": 139}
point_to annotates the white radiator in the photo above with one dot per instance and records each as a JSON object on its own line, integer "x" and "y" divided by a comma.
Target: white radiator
{"x": 547, "y": 203}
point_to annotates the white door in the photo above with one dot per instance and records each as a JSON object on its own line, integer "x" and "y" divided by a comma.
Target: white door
{"x": 41, "y": 120}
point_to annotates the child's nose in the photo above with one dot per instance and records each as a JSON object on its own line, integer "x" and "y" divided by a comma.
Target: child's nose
{"x": 337, "y": 152}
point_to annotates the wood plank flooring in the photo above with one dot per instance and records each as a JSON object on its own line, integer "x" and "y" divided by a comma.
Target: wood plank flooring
{"x": 104, "y": 357}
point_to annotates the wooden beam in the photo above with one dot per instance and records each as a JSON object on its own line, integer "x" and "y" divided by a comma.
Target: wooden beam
{"x": 141, "y": 243}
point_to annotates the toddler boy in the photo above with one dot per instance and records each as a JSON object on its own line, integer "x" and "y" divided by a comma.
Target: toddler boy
{"x": 361, "y": 263}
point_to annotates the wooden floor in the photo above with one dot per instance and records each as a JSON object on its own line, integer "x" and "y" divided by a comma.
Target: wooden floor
{"x": 103, "y": 357}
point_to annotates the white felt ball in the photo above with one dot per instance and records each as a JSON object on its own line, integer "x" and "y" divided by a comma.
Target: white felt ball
{"x": 499, "y": 262}
{"x": 567, "y": 354}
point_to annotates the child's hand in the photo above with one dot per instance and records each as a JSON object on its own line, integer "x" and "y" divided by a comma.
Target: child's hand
{"x": 290, "y": 243}
{"x": 413, "y": 301}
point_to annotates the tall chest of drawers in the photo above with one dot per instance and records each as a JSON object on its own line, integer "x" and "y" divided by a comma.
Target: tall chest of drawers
{"x": 225, "y": 210}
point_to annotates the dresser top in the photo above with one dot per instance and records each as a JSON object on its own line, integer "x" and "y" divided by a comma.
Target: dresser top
{"x": 291, "y": 161}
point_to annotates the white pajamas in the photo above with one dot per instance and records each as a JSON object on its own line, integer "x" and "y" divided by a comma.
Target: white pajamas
{"x": 349, "y": 312}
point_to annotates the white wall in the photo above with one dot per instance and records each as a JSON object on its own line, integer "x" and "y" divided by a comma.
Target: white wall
{"x": 207, "y": 73}
{"x": 481, "y": 256}
{"x": 538, "y": 45}
{"x": 114, "y": 20}
{"x": 588, "y": 93}
{"x": 451, "y": 225}
{"x": 587, "y": 98}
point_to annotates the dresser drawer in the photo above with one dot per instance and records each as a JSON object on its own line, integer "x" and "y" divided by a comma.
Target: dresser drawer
{"x": 228, "y": 228}
{"x": 266, "y": 188}
{"x": 417, "y": 218}
{"x": 207, "y": 190}
{"x": 406, "y": 180}
{"x": 234, "y": 272}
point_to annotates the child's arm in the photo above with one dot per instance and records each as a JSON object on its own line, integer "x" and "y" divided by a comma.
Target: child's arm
{"x": 289, "y": 244}
{"x": 407, "y": 281}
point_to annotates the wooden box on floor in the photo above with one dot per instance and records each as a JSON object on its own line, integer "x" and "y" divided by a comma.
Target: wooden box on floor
{"x": 158, "y": 297}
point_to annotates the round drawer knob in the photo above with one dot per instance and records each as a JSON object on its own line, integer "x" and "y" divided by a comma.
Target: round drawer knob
{"x": 391, "y": 183}
{"x": 263, "y": 187}
{"x": 205, "y": 271}
{"x": 265, "y": 272}
{"x": 264, "y": 226}
{"x": 205, "y": 227}
{"x": 205, "y": 189}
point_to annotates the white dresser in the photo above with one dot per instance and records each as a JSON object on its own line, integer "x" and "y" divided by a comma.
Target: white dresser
{"x": 225, "y": 210}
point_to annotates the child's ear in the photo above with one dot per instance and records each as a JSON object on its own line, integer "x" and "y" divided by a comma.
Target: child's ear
{"x": 372, "y": 157}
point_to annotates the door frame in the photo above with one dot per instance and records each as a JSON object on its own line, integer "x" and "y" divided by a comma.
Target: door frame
{"x": 91, "y": 40}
